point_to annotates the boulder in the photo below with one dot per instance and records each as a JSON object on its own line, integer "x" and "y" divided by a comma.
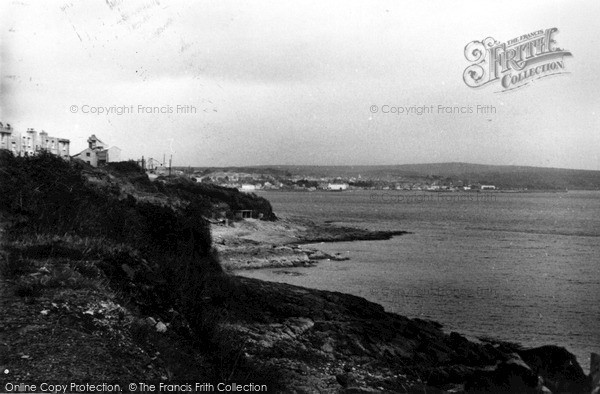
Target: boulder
{"x": 559, "y": 369}
{"x": 346, "y": 380}
{"x": 512, "y": 376}
{"x": 595, "y": 371}
{"x": 318, "y": 255}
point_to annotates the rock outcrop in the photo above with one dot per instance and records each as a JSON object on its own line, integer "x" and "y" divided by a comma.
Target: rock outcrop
{"x": 334, "y": 341}
{"x": 558, "y": 368}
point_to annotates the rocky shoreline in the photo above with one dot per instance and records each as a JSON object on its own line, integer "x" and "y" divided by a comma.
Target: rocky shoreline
{"x": 293, "y": 339}
{"x": 254, "y": 244}
{"x": 322, "y": 341}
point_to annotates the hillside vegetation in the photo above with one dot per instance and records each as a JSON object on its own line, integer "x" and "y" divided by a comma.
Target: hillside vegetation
{"x": 76, "y": 238}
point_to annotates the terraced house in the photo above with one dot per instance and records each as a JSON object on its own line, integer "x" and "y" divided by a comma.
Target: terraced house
{"x": 32, "y": 142}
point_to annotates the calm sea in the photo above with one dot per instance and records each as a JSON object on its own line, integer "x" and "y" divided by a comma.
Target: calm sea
{"x": 517, "y": 267}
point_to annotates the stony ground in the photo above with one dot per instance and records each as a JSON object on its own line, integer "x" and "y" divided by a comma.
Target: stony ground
{"x": 332, "y": 342}
{"x": 68, "y": 335}
{"x": 252, "y": 244}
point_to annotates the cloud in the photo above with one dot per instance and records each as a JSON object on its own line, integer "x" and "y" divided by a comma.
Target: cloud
{"x": 289, "y": 81}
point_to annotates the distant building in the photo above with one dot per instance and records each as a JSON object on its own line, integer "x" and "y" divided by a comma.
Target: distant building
{"x": 31, "y": 142}
{"x": 97, "y": 154}
{"x": 247, "y": 187}
{"x": 6, "y": 138}
{"x": 244, "y": 214}
{"x": 337, "y": 186}
{"x": 161, "y": 170}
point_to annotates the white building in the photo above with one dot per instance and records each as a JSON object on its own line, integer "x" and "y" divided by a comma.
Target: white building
{"x": 247, "y": 187}
{"x": 337, "y": 186}
{"x": 31, "y": 142}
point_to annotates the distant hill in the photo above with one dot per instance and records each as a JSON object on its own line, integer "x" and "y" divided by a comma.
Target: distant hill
{"x": 506, "y": 177}
{"x": 510, "y": 176}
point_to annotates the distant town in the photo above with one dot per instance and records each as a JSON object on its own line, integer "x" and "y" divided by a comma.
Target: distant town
{"x": 267, "y": 180}
{"x": 444, "y": 177}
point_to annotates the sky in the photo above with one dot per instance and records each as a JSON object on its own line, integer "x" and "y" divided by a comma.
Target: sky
{"x": 295, "y": 82}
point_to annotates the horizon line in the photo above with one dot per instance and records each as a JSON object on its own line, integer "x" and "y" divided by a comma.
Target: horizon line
{"x": 387, "y": 165}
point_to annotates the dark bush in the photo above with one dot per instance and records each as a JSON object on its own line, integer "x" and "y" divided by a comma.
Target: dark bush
{"x": 124, "y": 167}
{"x": 207, "y": 195}
{"x": 12, "y": 266}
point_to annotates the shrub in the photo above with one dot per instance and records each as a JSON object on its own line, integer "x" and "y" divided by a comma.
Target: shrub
{"x": 125, "y": 167}
{"x": 12, "y": 267}
{"x": 25, "y": 287}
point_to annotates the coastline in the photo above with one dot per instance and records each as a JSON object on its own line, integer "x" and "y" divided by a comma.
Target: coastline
{"x": 323, "y": 341}
{"x": 326, "y": 339}
{"x": 256, "y": 244}
{"x": 295, "y": 339}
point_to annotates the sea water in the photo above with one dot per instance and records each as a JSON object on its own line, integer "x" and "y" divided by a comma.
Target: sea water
{"x": 521, "y": 267}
